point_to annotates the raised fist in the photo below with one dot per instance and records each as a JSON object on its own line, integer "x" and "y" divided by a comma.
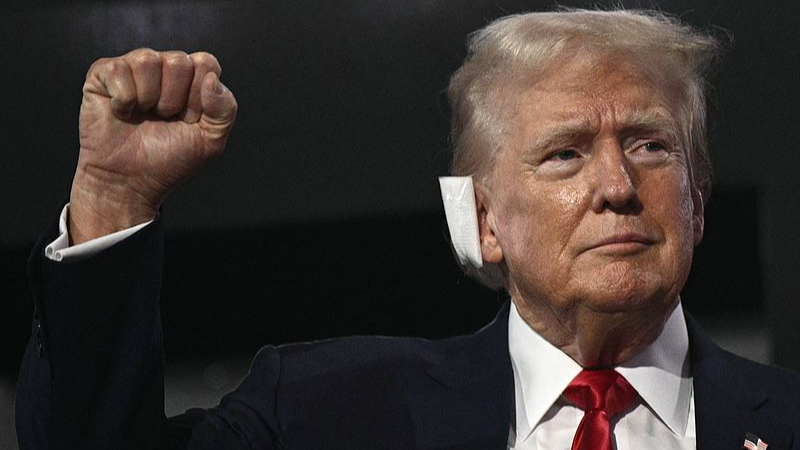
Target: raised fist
{"x": 148, "y": 120}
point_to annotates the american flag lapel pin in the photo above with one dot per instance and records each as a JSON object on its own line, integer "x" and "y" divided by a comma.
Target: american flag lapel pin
{"x": 753, "y": 442}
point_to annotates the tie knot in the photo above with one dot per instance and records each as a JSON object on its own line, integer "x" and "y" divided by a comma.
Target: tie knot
{"x": 606, "y": 390}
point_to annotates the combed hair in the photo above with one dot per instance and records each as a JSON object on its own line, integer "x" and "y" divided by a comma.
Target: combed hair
{"x": 513, "y": 52}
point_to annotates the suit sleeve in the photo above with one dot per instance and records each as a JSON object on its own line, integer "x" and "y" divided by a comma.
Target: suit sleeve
{"x": 92, "y": 375}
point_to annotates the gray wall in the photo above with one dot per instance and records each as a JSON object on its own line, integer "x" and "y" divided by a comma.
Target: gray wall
{"x": 342, "y": 117}
{"x": 342, "y": 113}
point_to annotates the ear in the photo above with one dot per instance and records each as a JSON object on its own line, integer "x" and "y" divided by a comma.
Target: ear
{"x": 698, "y": 215}
{"x": 487, "y": 229}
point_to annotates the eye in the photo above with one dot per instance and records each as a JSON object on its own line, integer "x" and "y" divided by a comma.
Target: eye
{"x": 561, "y": 164}
{"x": 564, "y": 155}
{"x": 653, "y": 146}
{"x": 650, "y": 151}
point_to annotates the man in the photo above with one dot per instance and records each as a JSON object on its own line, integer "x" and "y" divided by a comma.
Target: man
{"x": 583, "y": 133}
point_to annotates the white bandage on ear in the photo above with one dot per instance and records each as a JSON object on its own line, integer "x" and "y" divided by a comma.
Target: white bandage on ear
{"x": 458, "y": 195}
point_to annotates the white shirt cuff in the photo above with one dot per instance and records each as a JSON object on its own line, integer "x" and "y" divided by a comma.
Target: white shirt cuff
{"x": 59, "y": 249}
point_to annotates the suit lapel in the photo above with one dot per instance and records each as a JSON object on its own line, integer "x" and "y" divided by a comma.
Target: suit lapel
{"x": 468, "y": 398}
{"x": 728, "y": 400}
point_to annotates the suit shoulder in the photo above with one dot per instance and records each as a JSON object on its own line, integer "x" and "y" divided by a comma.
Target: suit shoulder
{"x": 781, "y": 385}
{"x": 774, "y": 377}
{"x": 772, "y": 390}
{"x": 305, "y": 360}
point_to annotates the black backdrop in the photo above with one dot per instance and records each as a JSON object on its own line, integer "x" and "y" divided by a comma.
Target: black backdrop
{"x": 323, "y": 217}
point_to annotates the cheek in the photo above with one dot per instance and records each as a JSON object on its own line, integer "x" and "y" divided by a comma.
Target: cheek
{"x": 518, "y": 222}
{"x": 673, "y": 210}
{"x": 537, "y": 224}
{"x": 677, "y": 209}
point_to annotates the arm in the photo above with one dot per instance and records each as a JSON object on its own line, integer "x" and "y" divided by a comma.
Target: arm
{"x": 92, "y": 376}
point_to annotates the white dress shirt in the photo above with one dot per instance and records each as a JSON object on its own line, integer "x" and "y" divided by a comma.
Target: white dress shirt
{"x": 662, "y": 418}
{"x": 60, "y": 250}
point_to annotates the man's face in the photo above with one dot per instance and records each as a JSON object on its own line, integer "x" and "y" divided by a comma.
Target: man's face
{"x": 589, "y": 204}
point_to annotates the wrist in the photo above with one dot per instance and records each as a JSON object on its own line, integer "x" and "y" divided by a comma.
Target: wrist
{"x": 100, "y": 208}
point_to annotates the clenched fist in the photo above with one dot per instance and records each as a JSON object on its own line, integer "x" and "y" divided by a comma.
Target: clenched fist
{"x": 148, "y": 120}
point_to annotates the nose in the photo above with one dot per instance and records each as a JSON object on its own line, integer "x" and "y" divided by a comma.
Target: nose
{"x": 615, "y": 187}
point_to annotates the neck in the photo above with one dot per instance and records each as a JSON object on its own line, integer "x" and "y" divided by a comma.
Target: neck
{"x": 595, "y": 339}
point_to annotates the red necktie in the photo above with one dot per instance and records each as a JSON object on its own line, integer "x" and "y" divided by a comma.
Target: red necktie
{"x": 601, "y": 394}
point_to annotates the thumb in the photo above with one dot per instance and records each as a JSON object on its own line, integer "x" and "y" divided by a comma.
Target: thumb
{"x": 219, "y": 109}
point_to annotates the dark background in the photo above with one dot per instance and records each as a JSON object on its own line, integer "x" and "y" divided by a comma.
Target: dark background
{"x": 323, "y": 218}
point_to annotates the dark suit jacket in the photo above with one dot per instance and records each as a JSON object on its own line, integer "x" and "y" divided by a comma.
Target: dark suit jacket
{"x": 92, "y": 378}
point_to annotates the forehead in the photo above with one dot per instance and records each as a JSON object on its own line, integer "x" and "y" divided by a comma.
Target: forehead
{"x": 591, "y": 95}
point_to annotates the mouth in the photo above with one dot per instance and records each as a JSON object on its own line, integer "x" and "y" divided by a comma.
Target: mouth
{"x": 622, "y": 243}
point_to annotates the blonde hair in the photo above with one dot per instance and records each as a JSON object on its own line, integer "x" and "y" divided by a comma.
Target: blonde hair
{"x": 520, "y": 48}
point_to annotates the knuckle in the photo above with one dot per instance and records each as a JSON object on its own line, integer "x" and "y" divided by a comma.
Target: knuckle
{"x": 144, "y": 57}
{"x": 177, "y": 60}
{"x": 115, "y": 65}
{"x": 206, "y": 60}
{"x": 96, "y": 66}
{"x": 109, "y": 68}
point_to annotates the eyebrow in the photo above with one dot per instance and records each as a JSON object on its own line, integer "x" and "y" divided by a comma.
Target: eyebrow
{"x": 655, "y": 120}
{"x": 561, "y": 132}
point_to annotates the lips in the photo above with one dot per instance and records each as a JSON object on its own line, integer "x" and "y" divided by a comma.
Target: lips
{"x": 622, "y": 243}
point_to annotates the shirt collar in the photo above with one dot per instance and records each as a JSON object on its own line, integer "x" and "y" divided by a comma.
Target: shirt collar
{"x": 661, "y": 375}
{"x": 542, "y": 372}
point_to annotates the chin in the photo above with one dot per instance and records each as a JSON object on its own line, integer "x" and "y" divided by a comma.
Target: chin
{"x": 632, "y": 290}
